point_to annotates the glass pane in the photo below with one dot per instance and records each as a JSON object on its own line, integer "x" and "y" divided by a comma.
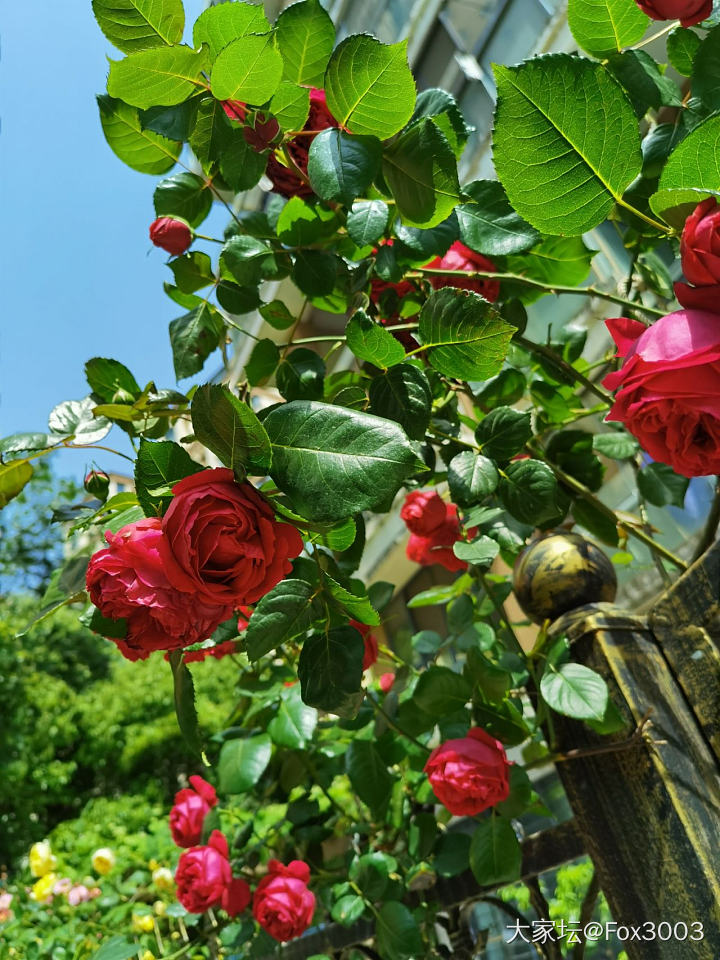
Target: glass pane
{"x": 516, "y": 35}
{"x": 468, "y": 20}
{"x": 433, "y": 61}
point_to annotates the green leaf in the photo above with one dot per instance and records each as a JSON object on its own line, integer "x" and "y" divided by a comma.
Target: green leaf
{"x": 305, "y": 36}
{"x": 184, "y": 694}
{"x": 183, "y": 195}
{"x": 471, "y": 478}
{"x": 644, "y": 82}
{"x": 347, "y": 910}
{"x": 464, "y": 335}
{"x": 159, "y": 77}
{"x": 116, "y": 948}
{"x": 572, "y": 451}
{"x": 480, "y": 552}
{"x": 300, "y": 375}
{"x": 111, "y": 380}
{"x": 421, "y": 244}
{"x": 706, "y": 70}
{"x": 290, "y": 106}
{"x": 441, "y": 691}
{"x": 193, "y": 338}
{"x": 575, "y": 691}
{"x": 682, "y": 46}
{"x": 110, "y": 629}
{"x": 223, "y": 23}
{"x": 367, "y": 221}
{"x": 371, "y": 342}
{"x": 421, "y": 171}
{"x": 262, "y": 363}
{"x": 368, "y": 775}
{"x": 452, "y": 854}
{"x": 403, "y": 394}
{"x": 294, "y": 723}
{"x": 248, "y": 69}
{"x": 142, "y": 150}
{"x": 13, "y": 477}
{"x": 175, "y": 122}
{"x": 371, "y": 873}
{"x": 495, "y": 854}
{"x": 359, "y": 607}
{"x": 397, "y": 932}
{"x": 602, "y": 27}
{"x": 330, "y": 671}
{"x": 691, "y": 174}
{"x": 301, "y": 223}
{"x": 26, "y": 442}
{"x": 76, "y": 418}
{"x": 212, "y": 133}
{"x": 618, "y": 445}
{"x": 192, "y": 271}
{"x": 490, "y": 225}
{"x": 230, "y": 429}
{"x": 132, "y": 25}
{"x": 334, "y": 462}
{"x": 342, "y": 167}
{"x": 530, "y": 492}
{"x": 369, "y": 86}
{"x": 240, "y": 165}
{"x": 158, "y": 467}
{"x": 248, "y": 260}
{"x": 314, "y": 272}
{"x": 506, "y": 388}
{"x": 562, "y": 260}
{"x": 281, "y": 615}
{"x": 243, "y": 762}
{"x": 566, "y": 144}
{"x": 277, "y": 315}
{"x": 442, "y": 108}
{"x": 660, "y": 485}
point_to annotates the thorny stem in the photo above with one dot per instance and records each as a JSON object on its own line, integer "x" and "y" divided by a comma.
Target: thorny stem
{"x": 579, "y": 753}
{"x": 655, "y": 36}
{"x": 552, "y": 357}
{"x": 391, "y": 723}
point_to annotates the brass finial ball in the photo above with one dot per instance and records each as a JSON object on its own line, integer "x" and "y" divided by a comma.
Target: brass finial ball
{"x": 559, "y": 572}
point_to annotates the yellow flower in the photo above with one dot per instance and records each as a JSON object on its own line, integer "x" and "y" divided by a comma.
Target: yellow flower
{"x": 148, "y": 955}
{"x": 142, "y": 923}
{"x": 160, "y": 908}
{"x": 153, "y": 864}
{"x": 103, "y": 860}
{"x": 163, "y": 879}
{"x": 41, "y": 859}
{"x": 42, "y": 890}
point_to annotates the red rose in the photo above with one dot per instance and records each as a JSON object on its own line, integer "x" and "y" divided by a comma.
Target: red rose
{"x": 669, "y": 388}
{"x": 235, "y": 110}
{"x": 222, "y": 540}
{"x": 371, "y": 644}
{"x": 437, "y": 546}
{"x": 688, "y": 12}
{"x": 204, "y": 879}
{"x": 469, "y": 775}
{"x": 700, "y": 252}
{"x": 127, "y": 580}
{"x": 460, "y": 257}
{"x": 284, "y": 179}
{"x": 283, "y": 905}
{"x": 188, "y": 814}
{"x": 170, "y": 234}
{"x": 386, "y": 682}
{"x": 423, "y": 512}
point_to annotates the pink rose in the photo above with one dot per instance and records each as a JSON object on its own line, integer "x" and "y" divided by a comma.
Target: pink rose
{"x": 223, "y": 542}
{"x": 470, "y": 774}
{"x": 78, "y": 894}
{"x": 668, "y": 388}
{"x": 127, "y": 580}
{"x": 188, "y": 814}
{"x": 688, "y": 12}
{"x": 283, "y": 905}
{"x": 170, "y": 234}
{"x": 460, "y": 257}
{"x": 423, "y": 512}
{"x": 204, "y": 879}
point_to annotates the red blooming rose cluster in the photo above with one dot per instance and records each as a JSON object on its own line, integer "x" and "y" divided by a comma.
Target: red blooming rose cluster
{"x": 469, "y": 774}
{"x": 700, "y": 253}
{"x": 460, "y": 257}
{"x": 282, "y": 904}
{"x": 669, "y": 388}
{"x": 175, "y": 580}
{"x": 285, "y": 180}
{"x": 688, "y": 12}
{"x": 204, "y": 879}
{"x": 171, "y": 234}
{"x": 188, "y": 814}
{"x": 370, "y": 641}
{"x": 434, "y": 528}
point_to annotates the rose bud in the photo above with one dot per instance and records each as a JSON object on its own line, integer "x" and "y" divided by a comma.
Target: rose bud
{"x": 688, "y": 12}
{"x": 170, "y": 234}
{"x": 97, "y": 484}
{"x": 469, "y": 774}
{"x": 235, "y": 110}
{"x": 387, "y": 681}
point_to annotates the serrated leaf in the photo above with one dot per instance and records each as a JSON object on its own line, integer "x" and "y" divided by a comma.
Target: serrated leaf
{"x": 175, "y": 122}
{"x": 368, "y": 775}
{"x": 371, "y": 342}
{"x": 420, "y": 169}
{"x": 243, "y": 762}
{"x": 342, "y": 167}
{"x": 184, "y": 695}
{"x": 618, "y": 445}
{"x": 301, "y": 223}
{"x": 294, "y": 723}
{"x": 281, "y": 615}
{"x": 480, "y": 552}
{"x": 489, "y": 225}
{"x": 159, "y": 465}
{"x": 142, "y": 150}
{"x": 193, "y": 338}
{"x": 367, "y": 221}
{"x": 463, "y": 334}
{"x": 240, "y": 165}
{"x": 335, "y": 462}
{"x": 212, "y": 132}
{"x": 529, "y": 491}
{"x": 691, "y": 174}
{"x": 192, "y": 271}
{"x": 660, "y": 485}
{"x": 398, "y": 935}
{"x": 369, "y": 86}
{"x": 602, "y": 27}
{"x": 277, "y": 315}
{"x": 471, "y": 478}
{"x": 441, "y": 691}
{"x": 290, "y": 106}
{"x": 248, "y": 69}
{"x": 159, "y": 77}
{"x": 132, "y": 25}
{"x": 330, "y": 670}
{"x": 262, "y": 362}
{"x": 359, "y": 607}
{"x": 183, "y": 195}
{"x": 575, "y": 691}
{"x": 706, "y": 70}
{"x": 230, "y": 429}
{"x": 13, "y": 478}
{"x": 566, "y": 144}
{"x": 26, "y": 442}
{"x": 682, "y": 46}
{"x": 111, "y": 380}
{"x": 116, "y": 948}
{"x": 223, "y": 23}
{"x": 300, "y": 375}
{"x": 403, "y": 394}
{"x": 305, "y": 36}
{"x": 646, "y": 85}
{"x": 76, "y": 418}
{"x": 495, "y": 854}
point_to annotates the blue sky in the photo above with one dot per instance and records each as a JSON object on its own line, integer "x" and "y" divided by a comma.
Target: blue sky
{"x": 80, "y": 277}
